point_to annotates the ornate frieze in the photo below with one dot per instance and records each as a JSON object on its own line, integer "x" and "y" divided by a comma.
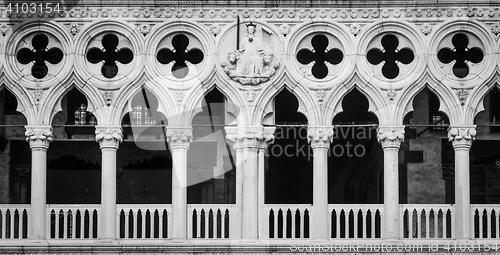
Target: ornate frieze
{"x": 108, "y": 137}
{"x": 179, "y": 137}
{"x": 39, "y": 137}
{"x": 390, "y": 136}
{"x": 461, "y": 136}
{"x": 320, "y": 137}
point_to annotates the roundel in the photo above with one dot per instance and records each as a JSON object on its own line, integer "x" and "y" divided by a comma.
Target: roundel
{"x": 39, "y": 56}
{"x": 320, "y": 53}
{"x": 462, "y": 54}
{"x": 179, "y": 54}
{"x": 109, "y": 55}
{"x": 391, "y": 55}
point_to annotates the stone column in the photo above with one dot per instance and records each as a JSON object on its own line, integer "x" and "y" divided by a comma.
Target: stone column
{"x": 39, "y": 138}
{"x": 179, "y": 139}
{"x": 320, "y": 139}
{"x": 390, "y": 137}
{"x": 109, "y": 138}
{"x": 268, "y": 140}
{"x": 248, "y": 140}
{"x": 231, "y": 137}
{"x": 461, "y": 138}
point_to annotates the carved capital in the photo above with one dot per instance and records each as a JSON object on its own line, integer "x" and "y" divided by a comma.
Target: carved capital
{"x": 320, "y": 136}
{"x": 250, "y": 137}
{"x": 462, "y": 136}
{"x": 390, "y": 136}
{"x": 179, "y": 137}
{"x": 108, "y": 137}
{"x": 39, "y": 137}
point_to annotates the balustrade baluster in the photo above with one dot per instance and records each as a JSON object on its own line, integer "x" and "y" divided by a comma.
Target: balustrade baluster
{"x": 427, "y": 213}
{"x": 73, "y": 224}
{"x": 364, "y": 221}
{"x": 57, "y": 224}
{"x": 419, "y": 223}
{"x": 4, "y": 227}
{"x": 82, "y": 223}
{"x": 223, "y": 224}
{"x": 302, "y": 223}
{"x": 480, "y": 213}
{"x": 21, "y": 223}
{"x": 143, "y": 223}
{"x": 436, "y": 219}
{"x": 160, "y": 225}
{"x": 497, "y": 232}
{"x": 346, "y": 225}
{"x": 410, "y": 224}
{"x": 91, "y": 223}
{"x": 12, "y": 223}
{"x": 355, "y": 218}
{"x": 337, "y": 217}
{"x": 65, "y": 225}
{"x": 294, "y": 233}
{"x": 198, "y": 223}
{"x": 151, "y": 223}
{"x": 445, "y": 226}
{"x": 135, "y": 217}
{"x": 276, "y": 213}
{"x": 207, "y": 219}
{"x": 488, "y": 226}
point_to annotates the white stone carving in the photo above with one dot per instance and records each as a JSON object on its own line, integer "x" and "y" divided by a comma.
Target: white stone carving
{"x": 179, "y": 138}
{"x": 426, "y": 28}
{"x": 320, "y": 136}
{"x": 252, "y": 62}
{"x": 461, "y": 136}
{"x": 390, "y": 136}
{"x": 463, "y": 94}
{"x": 39, "y": 136}
{"x": 108, "y": 137}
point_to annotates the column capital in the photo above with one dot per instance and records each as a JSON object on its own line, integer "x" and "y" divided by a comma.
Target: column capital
{"x": 390, "y": 136}
{"x": 108, "y": 137}
{"x": 39, "y": 137}
{"x": 461, "y": 136}
{"x": 179, "y": 137}
{"x": 256, "y": 137}
{"x": 320, "y": 136}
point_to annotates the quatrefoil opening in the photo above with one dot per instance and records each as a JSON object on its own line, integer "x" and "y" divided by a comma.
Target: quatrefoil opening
{"x": 180, "y": 55}
{"x": 390, "y": 55}
{"x": 39, "y": 55}
{"x": 109, "y": 55}
{"x": 319, "y": 55}
{"x": 461, "y": 54}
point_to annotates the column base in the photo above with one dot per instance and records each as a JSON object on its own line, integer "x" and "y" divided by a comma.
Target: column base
{"x": 179, "y": 241}
{"x": 107, "y": 242}
{"x": 37, "y": 242}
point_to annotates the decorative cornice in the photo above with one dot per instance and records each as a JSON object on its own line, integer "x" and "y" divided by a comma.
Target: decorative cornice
{"x": 39, "y": 137}
{"x": 108, "y": 137}
{"x": 179, "y": 138}
{"x": 250, "y": 137}
{"x": 320, "y": 136}
{"x": 461, "y": 137}
{"x": 390, "y": 136}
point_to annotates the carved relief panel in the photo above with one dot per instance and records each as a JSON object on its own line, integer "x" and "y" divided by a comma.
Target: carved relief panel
{"x": 250, "y": 54}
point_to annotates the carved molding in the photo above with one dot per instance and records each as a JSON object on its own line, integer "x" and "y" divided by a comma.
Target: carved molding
{"x": 179, "y": 138}
{"x": 390, "y": 136}
{"x": 250, "y": 137}
{"x": 461, "y": 136}
{"x": 320, "y": 137}
{"x": 108, "y": 137}
{"x": 39, "y": 137}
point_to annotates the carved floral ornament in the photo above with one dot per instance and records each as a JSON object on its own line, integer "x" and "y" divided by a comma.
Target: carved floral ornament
{"x": 39, "y": 136}
{"x": 251, "y": 57}
{"x": 109, "y": 137}
{"x": 390, "y": 136}
{"x": 320, "y": 136}
{"x": 217, "y": 12}
{"x": 243, "y": 139}
{"x": 179, "y": 138}
{"x": 462, "y": 134}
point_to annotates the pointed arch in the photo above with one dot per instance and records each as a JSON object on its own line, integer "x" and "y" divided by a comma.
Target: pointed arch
{"x": 52, "y": 103}
{"x": 447, "y": 99}
{"x": 377, "y": 103}
{"x": 474, "y": 103}
{"x": 25, "y": 103}
{"x": 193, "y": 102}
{"x": 307, "y": 105}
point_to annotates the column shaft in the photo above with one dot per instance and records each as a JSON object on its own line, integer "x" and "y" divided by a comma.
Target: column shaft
{"x": 391, "y": 194}
{"x": 179, "y": 193}
{"x": 108, "y": 194}
{"x": 250, "y": 194}
{"x": 38, "y": 193}
{"x": 320, "y": 193}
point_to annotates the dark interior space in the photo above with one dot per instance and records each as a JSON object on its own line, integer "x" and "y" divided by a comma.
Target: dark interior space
{"x": 355, "y": 162}
{"x": 288, "y": 177}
